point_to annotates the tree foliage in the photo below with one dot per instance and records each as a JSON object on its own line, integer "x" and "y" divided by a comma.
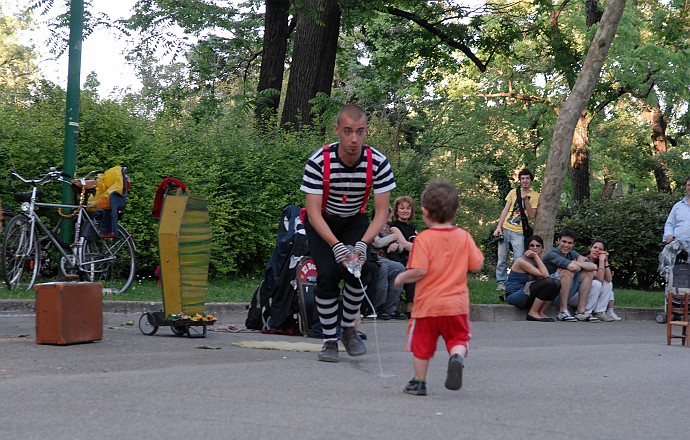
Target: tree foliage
{"x": 467, "y": 94}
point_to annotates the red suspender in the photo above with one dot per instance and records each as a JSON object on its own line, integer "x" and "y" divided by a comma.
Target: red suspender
{"x": 327, "y": 177}
{"x": 370, "y": 179}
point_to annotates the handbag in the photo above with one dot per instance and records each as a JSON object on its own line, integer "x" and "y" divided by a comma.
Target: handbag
{"x": 528, "y": 284}
{"x": 527, "y": 230}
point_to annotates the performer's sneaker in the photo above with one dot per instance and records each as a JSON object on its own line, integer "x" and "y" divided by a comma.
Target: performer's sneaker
{"x": 329, "y": 352}
{"x": 352, "y": 342}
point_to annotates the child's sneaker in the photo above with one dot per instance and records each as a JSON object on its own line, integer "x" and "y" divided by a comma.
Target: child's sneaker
{"x": 566, "y": 316}
{"x": 613, "y": 315}
{"x": 454, "y": 377}
{"x": 415, "y": 387}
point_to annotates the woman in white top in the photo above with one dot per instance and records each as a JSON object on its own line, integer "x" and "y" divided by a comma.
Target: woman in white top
{"x": 600, "y": 299}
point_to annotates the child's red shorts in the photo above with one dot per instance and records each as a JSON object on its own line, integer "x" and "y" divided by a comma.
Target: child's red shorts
{"x": 423, "y": 333}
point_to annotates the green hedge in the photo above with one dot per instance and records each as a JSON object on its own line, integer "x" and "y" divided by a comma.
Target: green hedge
{"x": 632, "y": 225}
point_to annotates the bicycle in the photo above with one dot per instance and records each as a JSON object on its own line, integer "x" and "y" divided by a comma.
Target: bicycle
{"x": 27, "y": 240}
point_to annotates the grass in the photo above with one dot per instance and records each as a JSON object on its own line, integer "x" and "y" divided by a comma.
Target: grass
{"x": 484, "y": 292}
{"x": 240, "y": 289}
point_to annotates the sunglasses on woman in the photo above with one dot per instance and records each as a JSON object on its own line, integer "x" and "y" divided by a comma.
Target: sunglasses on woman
{"x": 535, "y": 245}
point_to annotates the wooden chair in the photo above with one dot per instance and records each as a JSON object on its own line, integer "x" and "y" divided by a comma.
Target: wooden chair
{"x": 677, "y": 301}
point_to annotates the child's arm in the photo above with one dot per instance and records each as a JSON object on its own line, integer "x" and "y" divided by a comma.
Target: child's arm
{"x": 409, "y": 276}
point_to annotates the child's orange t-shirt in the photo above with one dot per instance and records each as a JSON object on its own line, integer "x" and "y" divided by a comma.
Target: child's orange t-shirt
{"x": 447, "y": 254}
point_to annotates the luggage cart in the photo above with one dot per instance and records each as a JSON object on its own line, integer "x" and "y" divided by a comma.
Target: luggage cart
{"x": 305, "y": 278}
{"x": 184, "y": 241}
{"x": 193, "y": 327}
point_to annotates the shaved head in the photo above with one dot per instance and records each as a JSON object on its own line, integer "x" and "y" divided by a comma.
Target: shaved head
{"x": 354, "y": 112}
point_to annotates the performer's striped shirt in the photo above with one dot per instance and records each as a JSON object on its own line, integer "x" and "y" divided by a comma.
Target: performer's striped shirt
{"x": 346, "y": 191}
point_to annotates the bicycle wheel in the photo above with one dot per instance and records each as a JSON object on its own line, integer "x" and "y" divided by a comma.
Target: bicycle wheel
{"x": 110, "y": 261}
{"x": 19, "y": 254}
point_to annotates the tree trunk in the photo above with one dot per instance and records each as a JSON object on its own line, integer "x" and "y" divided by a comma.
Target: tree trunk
{"x": 610, "y": 185}
{"x": 313, "y": 60}
{"x": 557, "y": 162}
{"x": 276, "y": 32}
{"x": 579, "y": 160}
{"x": 658, "y": 124}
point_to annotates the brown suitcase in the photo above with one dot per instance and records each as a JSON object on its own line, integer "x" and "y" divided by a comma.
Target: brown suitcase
{"x": 69, "y": 313}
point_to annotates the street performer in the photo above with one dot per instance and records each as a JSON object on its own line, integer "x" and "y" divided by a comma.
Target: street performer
{"x": 336, "y": 198}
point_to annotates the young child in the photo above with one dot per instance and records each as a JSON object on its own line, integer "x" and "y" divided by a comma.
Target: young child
{"x": 439, "y": 261}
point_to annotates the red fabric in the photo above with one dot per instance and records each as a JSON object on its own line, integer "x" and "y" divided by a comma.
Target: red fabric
{"x": 423, "y": 333}
{"x": 169, "y": 183}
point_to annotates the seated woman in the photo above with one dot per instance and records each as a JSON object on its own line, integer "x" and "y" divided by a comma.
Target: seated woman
{"x": 403, "y": 217}
{"x": 600, "y": 299}
{"x": 385, "y": 295}
{"x": 542, "y": 288}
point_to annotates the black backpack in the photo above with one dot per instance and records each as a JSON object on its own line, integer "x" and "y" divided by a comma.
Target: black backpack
{"x": 275, "y": 301}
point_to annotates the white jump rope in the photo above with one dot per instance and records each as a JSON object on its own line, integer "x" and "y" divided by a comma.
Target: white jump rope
{"x": 355, "y": 269}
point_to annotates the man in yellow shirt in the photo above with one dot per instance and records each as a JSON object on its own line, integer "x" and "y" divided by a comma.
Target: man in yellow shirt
{"x": 509, "y": 227}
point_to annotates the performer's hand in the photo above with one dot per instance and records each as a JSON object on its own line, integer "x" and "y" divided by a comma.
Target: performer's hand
{"x": 340, "y": 252}
{"x": 361, "y": 249}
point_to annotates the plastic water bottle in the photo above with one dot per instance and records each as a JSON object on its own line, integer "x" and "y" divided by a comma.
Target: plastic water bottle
{"x": 353, "y": 265}
{"x": 354, "y": 268}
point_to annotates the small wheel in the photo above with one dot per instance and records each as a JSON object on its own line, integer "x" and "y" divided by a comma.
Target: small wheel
{"x": 661, "y": 318}
{"x": 178, "y": 329}
{"x": 193, "y": 331}
{"x": 146, "y": 324}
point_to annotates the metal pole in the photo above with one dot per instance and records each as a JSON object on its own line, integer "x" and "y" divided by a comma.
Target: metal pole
{"x": 76, "y": 28}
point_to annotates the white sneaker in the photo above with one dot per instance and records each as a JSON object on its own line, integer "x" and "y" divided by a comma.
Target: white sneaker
{"x": 586, "y": 317}
{"x": 603, "y": 317}
{"x": 613, "y": 315}
{"x": 501, "y": 286}
{"x": 566, "y": 316}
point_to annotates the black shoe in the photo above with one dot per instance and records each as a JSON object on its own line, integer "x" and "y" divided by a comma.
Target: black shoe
{"x": 532, "y": 318}
{"x": 385, "y": 316}
{"x": 399, "y": 315}
{"x": 415, "y": 387}
{"x": 329, "y": 352}
{"x": 352, "y": 342}
{"x": 454, "y": 377}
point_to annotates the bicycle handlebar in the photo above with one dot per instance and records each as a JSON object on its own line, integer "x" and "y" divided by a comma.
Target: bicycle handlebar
{"x": 53, "y": 175}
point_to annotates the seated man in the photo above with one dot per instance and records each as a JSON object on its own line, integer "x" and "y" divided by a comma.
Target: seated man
{"x": 575, "y": 273}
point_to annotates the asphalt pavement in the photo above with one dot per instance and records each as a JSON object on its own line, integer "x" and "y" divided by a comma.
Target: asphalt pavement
{"x": 522, "y": 380}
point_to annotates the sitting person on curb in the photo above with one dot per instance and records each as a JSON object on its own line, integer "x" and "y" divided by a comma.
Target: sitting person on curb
{"x": 529, "y": 268}
{"x": 575, "y": 272}
{"x": 403, "y": 216}
{"x": 600, "y": 300}
{"x": 386, "y": 295}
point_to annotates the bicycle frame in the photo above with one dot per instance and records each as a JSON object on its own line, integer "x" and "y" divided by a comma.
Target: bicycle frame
{"x": 73, "y": 258}
{"x": 108, "y": 260}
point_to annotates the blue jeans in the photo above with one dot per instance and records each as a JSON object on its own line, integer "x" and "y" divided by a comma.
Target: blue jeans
{"x": 517, "y": 241}
{"x": 386, "y": 295}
